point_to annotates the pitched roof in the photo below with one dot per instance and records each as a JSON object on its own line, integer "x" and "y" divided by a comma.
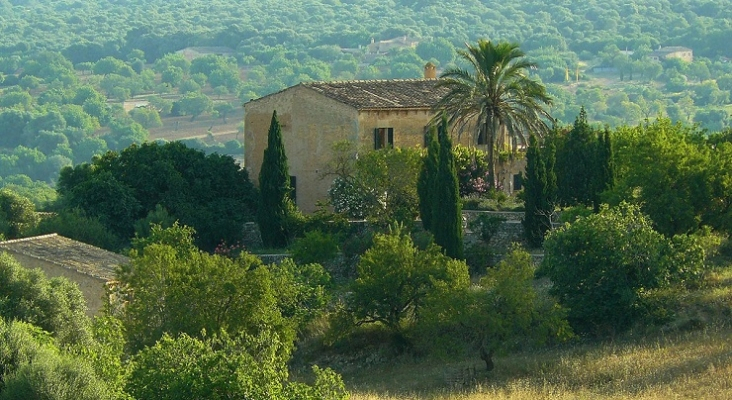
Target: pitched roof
{"x": 382, "y": 94}
{"x": 669, "y": 50}
{"x": 68, "y": 253}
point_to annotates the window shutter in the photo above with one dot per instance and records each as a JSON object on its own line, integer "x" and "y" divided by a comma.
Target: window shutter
{"x": 391, "y": 137}
{"x": 376, "y": 139}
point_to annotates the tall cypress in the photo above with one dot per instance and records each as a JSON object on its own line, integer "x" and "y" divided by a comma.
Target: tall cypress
{"x": 426, "y": 180}
{"x": 537, "y": 203}
{"x": 446, "y": 208}
{"x": 605, "y": 168}
{"x": 274, "y": 189}
{"x": 549, "y": 155}
{"x": 577, "y": 164}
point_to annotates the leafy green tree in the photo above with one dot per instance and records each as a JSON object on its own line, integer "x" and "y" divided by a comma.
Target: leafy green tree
{"x": 195, "y": 104}
{"x": 394, "y": 279}
{"x": 665, "y": 168}
{"x": 33, "y": 367}
{"x": 502, "y": 311}
{"x": 17, "y": 214}
{"x": 426, "y": 181}
{"x": 73, "y": 224}
{"x": 148, "y": 117}
{"x": 274, "y": 187}
{"x": 224, "y": 367}
{"x": 21, "y": 100}
{"x": 447, "y": 221}
{"x": 179, "y": 289}
{"x": 380, "y": 186}
{"x": 208, "y": 192}
{"x": 172, "y": 76}
{"x": 223, "y": 109}
{"x": 603, "y": 287}
{"x": 496, "y": 94}
{"x": 56, "y": 305}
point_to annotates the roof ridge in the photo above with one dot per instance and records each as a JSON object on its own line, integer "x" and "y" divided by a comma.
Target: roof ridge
{"x": 30, "y": 238}
{"x": 369, "y": 80}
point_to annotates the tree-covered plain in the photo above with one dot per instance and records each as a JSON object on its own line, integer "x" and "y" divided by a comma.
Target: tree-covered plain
{"x": 65, "y": 65}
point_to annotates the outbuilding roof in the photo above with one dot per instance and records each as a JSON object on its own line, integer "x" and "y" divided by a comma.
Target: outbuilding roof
{"x": 67, "y": 253}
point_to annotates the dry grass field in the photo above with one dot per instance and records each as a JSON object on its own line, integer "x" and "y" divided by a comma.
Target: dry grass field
{"x": 690, "y": 358}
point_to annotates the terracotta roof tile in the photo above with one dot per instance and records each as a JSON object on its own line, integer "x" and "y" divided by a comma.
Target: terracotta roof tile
{"x": 382, "y": 94}
{"x": 68, "y": 253}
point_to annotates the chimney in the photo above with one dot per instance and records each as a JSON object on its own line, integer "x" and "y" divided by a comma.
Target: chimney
{"x": 430, "y": 71}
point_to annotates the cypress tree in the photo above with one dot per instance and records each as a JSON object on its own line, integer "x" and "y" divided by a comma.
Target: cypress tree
{"x": 606, "y": 168}
{"x": 446, "y": 208}
{"x": 274, "y": 189}
{"x": 577, "y": 164}
{"x": 426, "y": 180}
{"x": 537, "y": 213}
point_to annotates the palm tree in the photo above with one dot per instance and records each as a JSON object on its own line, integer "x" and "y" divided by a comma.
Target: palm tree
{"x": 494, "y": 94}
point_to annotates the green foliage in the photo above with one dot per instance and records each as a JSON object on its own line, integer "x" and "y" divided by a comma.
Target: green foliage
{"x": 314, "y": 247}
{"x": 34, "y": 368}
{"x": 602, "y": 285}
{"x": 179, "y": 289}
{"x": 55, "y": 305}
{"x": 380, "y": 186}
{"x": 148, "y": 117}
{"x": 74, "y": 224}
{"x": 301, "y": 289}
{"x": 427, "y": 176}
{"x": 472, "y": 169}
{"x": 486, "y": 225}
{"x": 219, "y": 367}
{"x": 275, "y": 205}
{"x": 479, "y": 256}
{"x": 394, "y": 279}
{"x": 17, "y": 214}
{"x": 504, "y": 311}
{"x": 668, "y": 169}
{"x": 482, "y": 93}
{"x": 447, "y": 221}
{"x": 159, "y": 216}
{"x": 581, "y": 163}
{"x": 210, "y": 193}
{"x": 537, "y": 197}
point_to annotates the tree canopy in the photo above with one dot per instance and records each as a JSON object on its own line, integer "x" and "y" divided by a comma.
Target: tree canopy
{"x": 210, "y": 193}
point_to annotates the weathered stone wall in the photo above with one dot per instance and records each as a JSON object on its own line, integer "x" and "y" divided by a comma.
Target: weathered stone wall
{"x": 310, "y": 123}
{"x": 509, "y": 231}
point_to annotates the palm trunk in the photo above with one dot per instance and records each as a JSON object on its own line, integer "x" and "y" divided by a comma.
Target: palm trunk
{"x": 491, "y": 131}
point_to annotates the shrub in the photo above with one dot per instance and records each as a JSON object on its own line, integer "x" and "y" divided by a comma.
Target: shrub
{"x": 601, "y": 264}
{"x": 314, "y": 247}
{"x": 501, "y": 312}
{"x": 394, "y": 278}
{"x": 478, "y": 256}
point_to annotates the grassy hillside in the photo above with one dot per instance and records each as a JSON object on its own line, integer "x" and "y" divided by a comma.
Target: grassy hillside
{"x": 690, "y": 357}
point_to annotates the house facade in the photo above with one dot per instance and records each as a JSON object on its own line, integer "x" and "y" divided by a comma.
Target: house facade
{"x": 90, "y": 267}
{"x": 313, "y": 116}
{"x": 665, "y": 53}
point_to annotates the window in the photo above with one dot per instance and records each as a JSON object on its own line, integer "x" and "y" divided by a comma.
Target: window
{"x": 517, "y": 182}
{"x": 293, "y": 189}
{"x": 383, "y": 137}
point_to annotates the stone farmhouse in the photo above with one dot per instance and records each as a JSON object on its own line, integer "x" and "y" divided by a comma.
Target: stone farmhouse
{"x": 88, "y": 266}
{"x": 664, "y": 53}
{"x": 372, "y": 114}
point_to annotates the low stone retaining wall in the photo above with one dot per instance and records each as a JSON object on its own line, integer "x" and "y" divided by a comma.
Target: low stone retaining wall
{"x": 509, "y": 231}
